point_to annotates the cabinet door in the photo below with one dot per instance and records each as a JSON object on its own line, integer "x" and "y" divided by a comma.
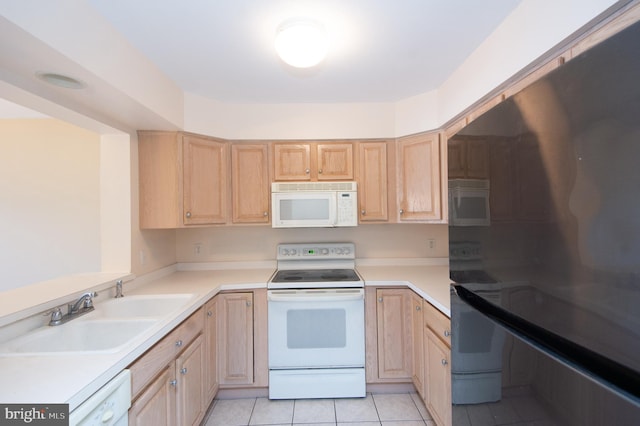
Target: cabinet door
{"x": 204, "y": 181}
{"x": 250, "y": 183}
{"x": 438, "y": 378}
{"x": 417, "y": 325}
{"x": 335, "y": 161}
{"x": 419, "y": 178}
{"x": 292, "y": 161}
{"x": 210, "y": 353}
{"x": 156, "y": 404}
{"x": 372, "y": 181}
{"x": 190, "y": 388}
{"x": 394, "y": 333}
{"x": 235, "y": 352}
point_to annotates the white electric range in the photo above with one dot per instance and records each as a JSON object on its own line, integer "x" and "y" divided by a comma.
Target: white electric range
{"x": 316, "y": 323}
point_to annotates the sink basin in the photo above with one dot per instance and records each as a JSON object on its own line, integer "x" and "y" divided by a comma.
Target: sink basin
{"x": 81, "y": 336}
{"x": 150, "y": 306}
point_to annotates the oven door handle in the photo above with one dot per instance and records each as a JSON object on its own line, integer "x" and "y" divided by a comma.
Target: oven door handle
{"x": 321, "y": 297}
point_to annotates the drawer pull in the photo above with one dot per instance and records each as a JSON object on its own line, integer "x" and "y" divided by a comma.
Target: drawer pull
{"x": 444, "y": 362}
{"x": 179, "y": 343}
{"x": 447, "y": 333}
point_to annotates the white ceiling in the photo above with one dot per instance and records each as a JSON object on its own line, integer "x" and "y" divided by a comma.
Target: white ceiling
{"x": 381, "y": 50}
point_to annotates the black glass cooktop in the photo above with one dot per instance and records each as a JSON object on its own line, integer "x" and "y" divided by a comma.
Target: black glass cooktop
{"x": 315, "y": 275}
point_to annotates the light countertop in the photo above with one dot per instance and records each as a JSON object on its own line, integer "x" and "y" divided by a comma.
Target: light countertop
{"x": 73, "y": 378}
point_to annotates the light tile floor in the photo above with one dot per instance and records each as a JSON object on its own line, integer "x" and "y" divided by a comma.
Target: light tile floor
{"x": 406, "y": 409}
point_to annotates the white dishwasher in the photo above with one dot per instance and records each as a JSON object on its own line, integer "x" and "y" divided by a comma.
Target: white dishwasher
{"x": 109, "y": 406}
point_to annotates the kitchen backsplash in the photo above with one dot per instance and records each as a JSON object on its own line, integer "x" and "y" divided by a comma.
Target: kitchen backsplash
{"x": 248, "y": 243}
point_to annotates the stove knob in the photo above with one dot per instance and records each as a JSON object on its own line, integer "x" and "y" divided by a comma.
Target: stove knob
{"x": 293, "y": 252}
{"x": 338, "y": 251}
{"x": 346, "y": 250}
{"x": 285, "y": 252}
{"x": 324, "y": 251}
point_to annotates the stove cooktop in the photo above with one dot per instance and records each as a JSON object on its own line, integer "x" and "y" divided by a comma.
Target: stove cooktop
{"x": 315, "y": 275}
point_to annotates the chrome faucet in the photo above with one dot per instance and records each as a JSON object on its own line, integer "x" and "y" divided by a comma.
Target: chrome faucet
{"x": 82, "y": 306}
{"x": 85, "y": 300}
{"x": 119, "y": 293}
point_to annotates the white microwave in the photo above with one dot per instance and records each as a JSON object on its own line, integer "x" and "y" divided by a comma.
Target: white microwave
{"x": 314, "y": 204}
{"x": 469, "y": 202}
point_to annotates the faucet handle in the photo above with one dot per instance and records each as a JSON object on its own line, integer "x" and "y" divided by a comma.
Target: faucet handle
{"x": 88, "y": 301}
{"x": 56, "y": 316}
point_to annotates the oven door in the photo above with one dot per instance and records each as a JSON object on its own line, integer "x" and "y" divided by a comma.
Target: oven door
{"x": 316, "y": 328}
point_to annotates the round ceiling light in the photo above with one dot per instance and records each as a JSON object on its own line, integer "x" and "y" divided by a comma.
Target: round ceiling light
{"x": 60, "y": 80}
{"x": 301, "y": 43}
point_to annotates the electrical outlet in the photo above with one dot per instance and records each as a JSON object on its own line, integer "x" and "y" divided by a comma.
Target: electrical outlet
{"x": 197, "y": 249}
{"x": 431, "y": 243}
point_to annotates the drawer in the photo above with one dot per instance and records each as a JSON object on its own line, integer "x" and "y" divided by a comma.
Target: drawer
{"x": 145, "y": 368}
{"x": 438, "y": 322}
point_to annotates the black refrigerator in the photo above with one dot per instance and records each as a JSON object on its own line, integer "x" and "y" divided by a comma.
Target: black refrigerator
{"x": 545, "y": 299}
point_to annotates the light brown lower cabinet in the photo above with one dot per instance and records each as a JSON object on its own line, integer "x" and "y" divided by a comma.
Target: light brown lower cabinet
{"x": 417, "y": 321}
{"x": 436, "y": 353}
{"x": 168, "y": 380}
{"x": 211, "y": 382}
{"x": 156, "y": 404}
{"x": 242, "y": 339}
{"x": 388, "y": 335}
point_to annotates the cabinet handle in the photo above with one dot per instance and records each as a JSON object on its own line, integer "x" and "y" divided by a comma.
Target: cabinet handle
{"x": 418, "y": 308}
{"x": 401, "y": 211}
{"x": 380, "y": 299}
{"x": 307, "y": 171}
{"x": 173, "y": 383}
{"x": 248, "y": 303}
{"x": 320, "y": 171}
{"x": 447, "y": 333}
{"x": 265, "y": 214}
{"x": 209, "y": 313}
{"x": 184, "y": 370}
{"x": 188, "y": 215}
{"x": 363, "y": 212}
{"x": 444, "y": 362}
{"x": 179, "y": 343}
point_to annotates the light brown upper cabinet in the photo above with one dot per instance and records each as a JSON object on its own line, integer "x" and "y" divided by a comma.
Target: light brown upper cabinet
{"x": 250, "y": 183}
{"x": 419, "y": 178}
{"x": 372, "y": 180}
{"x": 313, "y": 161}
{"x": 183, "y": 179}
{"x": 468, "y": 157}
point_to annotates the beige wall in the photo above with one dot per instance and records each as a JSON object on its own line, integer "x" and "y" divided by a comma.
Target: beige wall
{"x": 49, "y": 201}
{"x": 245, "y": 243}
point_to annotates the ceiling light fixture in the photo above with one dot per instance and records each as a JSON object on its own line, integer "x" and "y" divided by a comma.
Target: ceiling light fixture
{"x": 60, "y": 80}
{"x": 301, "y": 43}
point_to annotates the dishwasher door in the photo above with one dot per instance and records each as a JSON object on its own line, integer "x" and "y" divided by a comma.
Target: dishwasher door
{"x": 109, "y": 406}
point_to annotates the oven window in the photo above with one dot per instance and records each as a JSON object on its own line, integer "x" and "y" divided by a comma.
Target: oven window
{"x": 316, "y": 328}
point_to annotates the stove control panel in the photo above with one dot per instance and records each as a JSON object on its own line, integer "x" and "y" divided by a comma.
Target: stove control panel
{"x": 319, "y": 251}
